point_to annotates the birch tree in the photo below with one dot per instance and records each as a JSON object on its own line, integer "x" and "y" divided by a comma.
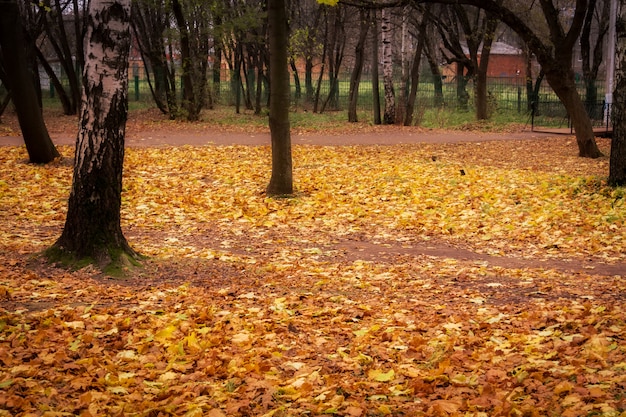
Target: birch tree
{"x": 92, "y": 229}
{"x": 387, "y": 52}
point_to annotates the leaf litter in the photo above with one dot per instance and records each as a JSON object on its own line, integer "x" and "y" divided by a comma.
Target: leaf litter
{"x": 324, "y": 303}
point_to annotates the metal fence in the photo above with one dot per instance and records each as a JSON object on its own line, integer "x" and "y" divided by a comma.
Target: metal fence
{"x": 505, "y": 94}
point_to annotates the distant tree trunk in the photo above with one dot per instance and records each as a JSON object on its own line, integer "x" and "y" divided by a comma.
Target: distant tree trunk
{"x": 390, "y": 95}
{"x": 318, "y": 88}
{"x": 592, "y": 57}
{"x": 436, "y": 73}
{"x": 414, "y": 75}
{"x": 617, "y": 164}
{"x": 308, "y": 79}
{"x": 355, "y": 77}
{"x": 415, "y": 71}
{"x": 482, "y": 102}
{"x": 92, "y": 226}
{"x": 149, "y": 24}
{"x": 296, "y": 78}
{"x": 528, "y": 69}
{"x": 191, "y": 101}
{"x": 462, "y": 95}
{"x": 281, "y": 182}
{"x": 40, "y": 148}
{"x": 375, "y": 77}
{"x": 68, "y": 51}
{"x": 217, "y": 61}
{"x": 337, "y": 45}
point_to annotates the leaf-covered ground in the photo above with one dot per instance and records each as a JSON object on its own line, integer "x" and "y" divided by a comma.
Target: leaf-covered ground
{"x": 481, "y": 279}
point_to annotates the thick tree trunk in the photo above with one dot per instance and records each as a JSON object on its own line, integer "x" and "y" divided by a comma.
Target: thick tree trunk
{"x": 281, "y": 182}
{"x": 92, "y": 227}
{"x": 617, "y": 164}
{"x": 40, "y": 148}
{"x": 563, "y": 84}
{"x": 390, "y": 95}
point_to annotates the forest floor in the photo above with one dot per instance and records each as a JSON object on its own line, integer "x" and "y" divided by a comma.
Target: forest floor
{"x": 414, "y": 272}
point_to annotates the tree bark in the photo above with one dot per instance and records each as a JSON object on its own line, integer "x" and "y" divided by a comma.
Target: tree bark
{"x": 415, "y": 72}
{"x": 375, "y": 78}
{"x": 92, "y": 228}
{"x": 281, "y": 181}
{"x": 617, "y": 163}
{"x": 40, "y": 148}
{"x": 355, "y": 77}
{"x": 482, "y": 96}
{"x": 190, "y": 99}
{"x": 390, "y": 95}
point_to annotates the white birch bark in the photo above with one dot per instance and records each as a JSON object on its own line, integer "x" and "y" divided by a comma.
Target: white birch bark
{"x": 92, "y": 227}
{"x": 387, "y": 52}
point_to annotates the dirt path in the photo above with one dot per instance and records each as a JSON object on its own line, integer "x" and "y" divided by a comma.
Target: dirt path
{"x": 395, "y": 136}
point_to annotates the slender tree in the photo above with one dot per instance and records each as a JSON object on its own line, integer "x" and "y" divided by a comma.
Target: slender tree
{"x": 92, "y": 227}
{"x": 359, "y": 57}
{"x": 420, "y": 27}
{"x": 387, "y": 52}
{"x": 375, "y": 72}
{"x": 594, "y": 32}
{"x": 281, "y": 182}
{"x": 40, "y": 148}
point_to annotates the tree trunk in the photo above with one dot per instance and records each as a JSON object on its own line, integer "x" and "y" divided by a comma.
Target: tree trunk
{"x": 92, "y": 228}
{"x": 462, "y": 95}
{"x": 296, "y": 79}
{"x": 190, "y": 98}
{"x": 482, "y": 102}
{"x": 355, "y": 77}
{"x": 375, "y": 78}
{"x": 617, "y": 164}
{"x": 308, "y": 79}
{"x": 40, "y": 148}
{"x": 390, "y": 95}
{"x": 415, "y": 72}
{"x": 415, "y": 79}
{"x": 436, "y": 73}
{"x": 281, "y": 182}
{"x": 564, "y": 86}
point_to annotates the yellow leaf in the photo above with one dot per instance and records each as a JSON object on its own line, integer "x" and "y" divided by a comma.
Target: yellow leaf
{"x": 166, "y": 333}
{"x": 380, "y": 376}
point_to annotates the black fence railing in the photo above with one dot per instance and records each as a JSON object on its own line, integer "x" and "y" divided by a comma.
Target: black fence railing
{"x": 553, "y": 115}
